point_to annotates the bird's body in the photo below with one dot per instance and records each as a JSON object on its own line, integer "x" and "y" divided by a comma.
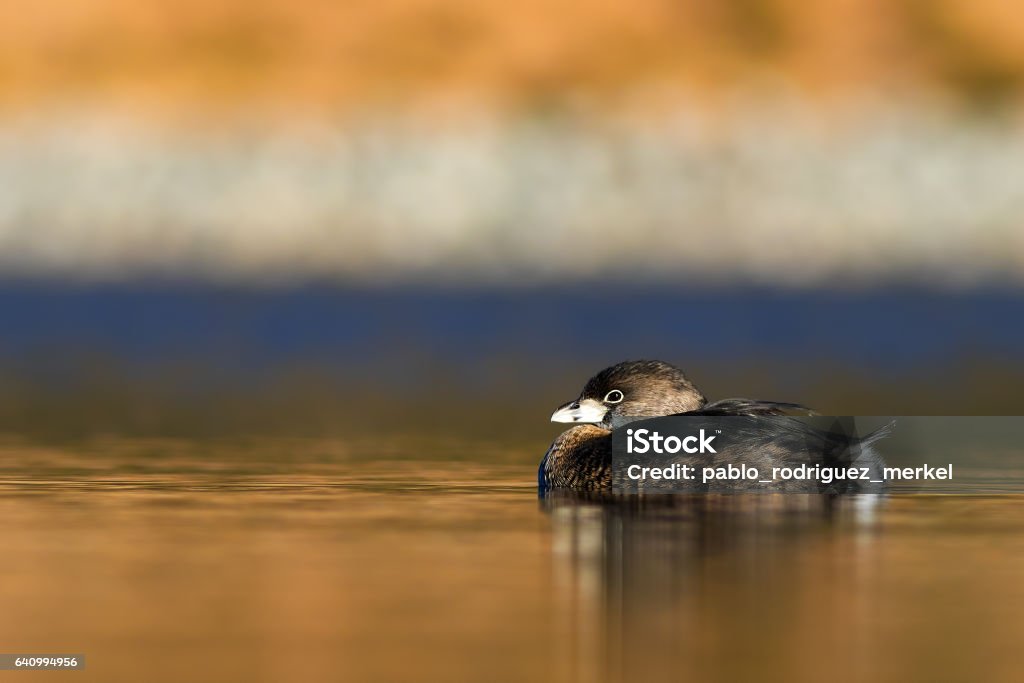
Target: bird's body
{"x": 581, "y": 457}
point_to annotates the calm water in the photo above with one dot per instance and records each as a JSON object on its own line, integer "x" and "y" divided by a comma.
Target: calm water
{"x": 331, "y": 560}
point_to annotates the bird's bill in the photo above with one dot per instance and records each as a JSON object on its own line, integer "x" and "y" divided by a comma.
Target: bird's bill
{"x": 587, "y": 411}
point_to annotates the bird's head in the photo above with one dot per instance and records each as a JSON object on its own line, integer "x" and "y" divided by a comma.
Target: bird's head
{"x": 631, "y": 391}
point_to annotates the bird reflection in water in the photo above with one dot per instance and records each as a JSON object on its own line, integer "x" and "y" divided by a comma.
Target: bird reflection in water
{"x": 714, "y": 586}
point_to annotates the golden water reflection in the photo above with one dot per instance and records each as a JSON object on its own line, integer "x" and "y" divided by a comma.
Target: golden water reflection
{"x": 178, "y": 568}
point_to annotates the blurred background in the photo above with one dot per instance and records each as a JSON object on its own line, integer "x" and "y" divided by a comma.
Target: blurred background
{"x": 443, "y": 216}
{"x": 289, "y": 290}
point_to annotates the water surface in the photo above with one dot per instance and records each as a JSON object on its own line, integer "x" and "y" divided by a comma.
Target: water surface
{"x": 312, "y": 560}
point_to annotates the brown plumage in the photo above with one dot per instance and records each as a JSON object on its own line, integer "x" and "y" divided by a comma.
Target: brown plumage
{"x": 581, "y": 458}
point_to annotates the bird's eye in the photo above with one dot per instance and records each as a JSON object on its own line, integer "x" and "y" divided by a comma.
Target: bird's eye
{"x": 613, "y": 396}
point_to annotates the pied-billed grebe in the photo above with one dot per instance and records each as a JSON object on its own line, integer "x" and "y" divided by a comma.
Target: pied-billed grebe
{"x": 581, "y": 457}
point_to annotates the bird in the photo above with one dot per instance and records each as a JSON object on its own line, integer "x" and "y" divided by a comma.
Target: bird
{"x": 581, "y": 457}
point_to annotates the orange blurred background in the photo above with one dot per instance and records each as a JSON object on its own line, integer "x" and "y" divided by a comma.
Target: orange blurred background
{"x": 282, "y": 201}
{"x": 197, "y": 56}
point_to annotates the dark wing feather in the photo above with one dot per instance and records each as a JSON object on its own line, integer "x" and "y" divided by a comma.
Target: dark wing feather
{"x": 749, "y": 407}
